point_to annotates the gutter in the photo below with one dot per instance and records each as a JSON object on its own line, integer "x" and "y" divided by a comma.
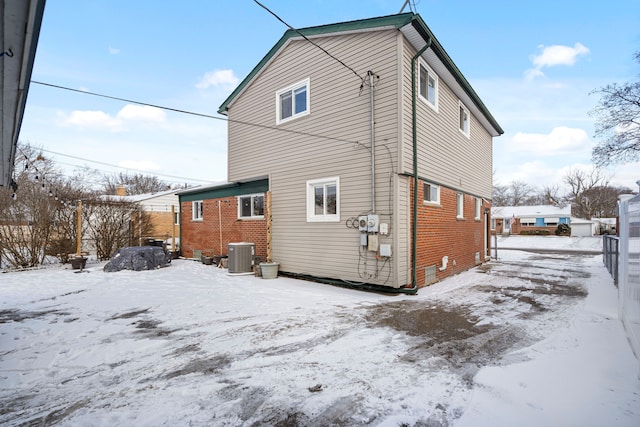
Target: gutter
{"x": 414, "y": 136}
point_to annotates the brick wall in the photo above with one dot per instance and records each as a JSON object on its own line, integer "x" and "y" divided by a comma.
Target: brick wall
{"x": 440, "y": 233}
{"x": 204, "y": 235}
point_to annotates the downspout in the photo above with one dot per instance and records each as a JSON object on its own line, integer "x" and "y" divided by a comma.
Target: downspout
{"x": 414, "y": 238}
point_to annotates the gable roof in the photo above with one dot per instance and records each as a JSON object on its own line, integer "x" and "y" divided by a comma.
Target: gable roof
{"x": 416, "y": 32}
{"x": 537, "y": 211}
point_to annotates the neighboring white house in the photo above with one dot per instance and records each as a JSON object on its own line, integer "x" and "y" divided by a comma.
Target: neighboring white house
{"x": 582, "y": 227}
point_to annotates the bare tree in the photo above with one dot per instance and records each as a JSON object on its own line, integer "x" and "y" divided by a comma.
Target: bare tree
{"x": 618, "y": 123}
{"x": 501, "y": 195}
{"x": 552, "y": 196}
{"x": 581, "y": 193}
{"x": 25, "y": 216}
{"x": 134, "y": 184}
{"x": 521, "y": 193}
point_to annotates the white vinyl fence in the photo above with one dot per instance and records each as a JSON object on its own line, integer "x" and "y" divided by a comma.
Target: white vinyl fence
{"x": 629, "y": 268}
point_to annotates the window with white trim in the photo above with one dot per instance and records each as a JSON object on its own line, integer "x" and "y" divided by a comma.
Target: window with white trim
{"x": 197, "y": 210}
{"x": 478, "y": 207}
{"x": 465, "y": 120}
{"x": 427, "y": 85}
{"x": 323, "y": 200}
{"x": 292, "y": 102}
{"x": 460, "y": 205}
{"x": 251, "y": 206}
{"x": 431, "y": 193}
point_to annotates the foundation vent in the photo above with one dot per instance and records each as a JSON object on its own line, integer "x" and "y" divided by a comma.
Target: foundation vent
{"x": 430, "y": 275}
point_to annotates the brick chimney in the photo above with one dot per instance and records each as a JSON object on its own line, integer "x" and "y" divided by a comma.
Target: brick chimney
{"x": 121, "y": 191}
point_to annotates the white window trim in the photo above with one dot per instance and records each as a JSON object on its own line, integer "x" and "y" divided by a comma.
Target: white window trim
{"x": 194, "y": 210}
{"x": 460, "y": 206}
{"x": 478, "y": 208}
{"x": 240, "y": 206}
{"x": 430, "y": 72}
{"x": 466, "y": 133}
{"x": 311, "y": 216}
{"x": 306, "y": 82}
{"x": 431, "y": 202}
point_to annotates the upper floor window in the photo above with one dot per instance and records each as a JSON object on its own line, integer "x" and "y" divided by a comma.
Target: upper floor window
{"x": 197, "y": 210}
{"x": 428, "y": 85}
{"x": 251, "y": 206}
{"x": 292, "y": 102}
{"x": 464, "y": 120}
{"x": 323, "y": 200}
{"x": 431, "y": 193}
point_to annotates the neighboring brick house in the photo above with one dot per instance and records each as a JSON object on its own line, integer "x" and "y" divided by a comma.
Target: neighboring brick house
{"x": 529, "y": 219}
{"x": 335, "y": 149}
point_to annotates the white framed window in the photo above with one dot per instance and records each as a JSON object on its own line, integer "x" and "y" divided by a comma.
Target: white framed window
{"x": 197, "y": 210}
{"x": 427, "y": 85}
{"x": 323, "y": 200}
{"x": 176, "y": 218}
{"x": 465, "y": 120}
{"x": 292, "y": 102}
{"x": 460, "y": 205}
{"x": 251, "y": 206}
{"x": 478, "y": 208}
{"x": 431, "y": 193}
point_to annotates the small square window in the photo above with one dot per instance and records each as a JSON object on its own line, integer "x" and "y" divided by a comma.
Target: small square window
{"x": 197, "y": 210}
{"x": 464, "y": 120}
{"x": 251, "y": 206}
{"x": 431, "y": 193}
{"x": 323, "y": 200}
{"x": 292, "y": 102}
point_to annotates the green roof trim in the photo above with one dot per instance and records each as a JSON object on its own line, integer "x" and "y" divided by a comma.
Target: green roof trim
{"x": 397, "y": 21}
{"x": 224, "y": 190}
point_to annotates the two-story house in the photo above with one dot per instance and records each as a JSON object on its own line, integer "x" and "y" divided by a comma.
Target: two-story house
{"x": 358, "y": 154}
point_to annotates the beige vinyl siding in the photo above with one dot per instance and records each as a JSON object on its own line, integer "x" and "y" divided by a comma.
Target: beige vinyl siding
{"x": 340, "y": 117}
{"x": 445, "y": 155}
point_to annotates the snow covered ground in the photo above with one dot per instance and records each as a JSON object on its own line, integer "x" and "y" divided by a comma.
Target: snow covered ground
{"x": 530, "y": 339}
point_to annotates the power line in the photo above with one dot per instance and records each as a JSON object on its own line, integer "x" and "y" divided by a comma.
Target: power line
{"x": 307, "y": 39}
{"x": 122, "y": 167}
{"x": 208, "y": 116}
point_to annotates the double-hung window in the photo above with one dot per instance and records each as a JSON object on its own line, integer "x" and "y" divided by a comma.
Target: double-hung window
{"x": 431, "y": 193}
{"x": 292, "y": 102}
{"x": 197, "y": 209}
{"x": 428, "y": 85}
{"x": 465, "y": 120}
{"x": 251, "y": 206}
{"x": 323, "y": 200}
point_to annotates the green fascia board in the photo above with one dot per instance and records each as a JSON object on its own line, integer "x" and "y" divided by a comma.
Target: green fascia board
{"x": 393, "y": 21}
{"x": 225, "y": 190}
{"x": 396, "y": 21}
{"x": 422, "y": 28}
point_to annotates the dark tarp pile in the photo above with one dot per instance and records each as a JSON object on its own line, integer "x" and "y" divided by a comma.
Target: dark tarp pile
{"x": 138, "y": 258}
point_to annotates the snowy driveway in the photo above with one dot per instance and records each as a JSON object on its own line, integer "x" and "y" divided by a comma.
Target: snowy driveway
{"x": 190, "y": 345}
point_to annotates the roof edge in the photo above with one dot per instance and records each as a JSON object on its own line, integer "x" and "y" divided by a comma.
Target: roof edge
{"x": 397, "y": 21}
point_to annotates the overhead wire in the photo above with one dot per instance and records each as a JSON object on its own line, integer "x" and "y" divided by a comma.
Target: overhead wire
{"x": 310, "y": 41}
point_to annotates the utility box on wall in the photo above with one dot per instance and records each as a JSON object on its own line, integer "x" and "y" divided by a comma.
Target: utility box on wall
{"x": 241, "y": 256}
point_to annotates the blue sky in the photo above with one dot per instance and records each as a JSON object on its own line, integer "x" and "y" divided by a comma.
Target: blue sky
{"x": 533, "y": 64}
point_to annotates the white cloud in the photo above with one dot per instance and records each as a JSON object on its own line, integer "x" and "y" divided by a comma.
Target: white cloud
{"x": 144, "y": 165}
{"x": 142, "y": 113}
{"x": 561, "y": 140}
{"x": 551, "y": 56}
{"x": 218, "y": 78}
{"x": 92, "y": 119}
{"x": 113, "y": 50}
